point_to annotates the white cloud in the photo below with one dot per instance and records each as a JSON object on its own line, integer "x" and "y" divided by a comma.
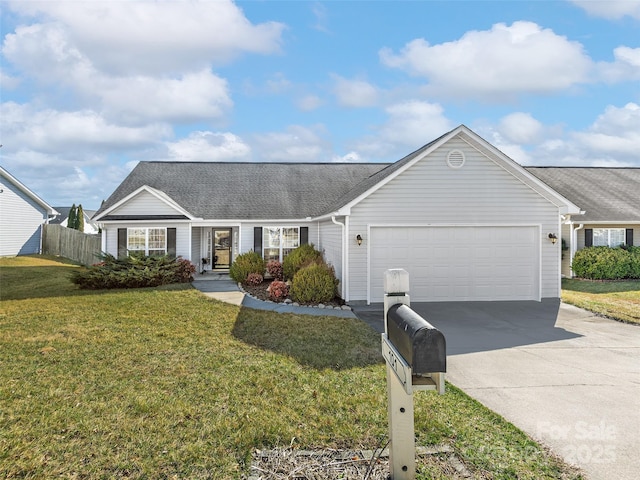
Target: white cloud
{"x": 409, "y": 124}
{"x": 7, "y": 81}
{"x": 497, "y": 63}
{"x": 354, "y": 93}
{"x": 625, "y": 67}
{"x": 309, "y": 103}
{"x": 351, "y": 157}
{"x": 614, "y": 135}
{"x": 193, "y": 97}
{"x": 521, "y": 128}
{"x": 209, "y": 147}
{"x": 157, "y": 37}
{"x": 612, "y": 140}
{"x": 611, "y": 9}
{"x": 188, "y": 97}
{"x": 73, "y": 134}
{"x": 296, "y": 144}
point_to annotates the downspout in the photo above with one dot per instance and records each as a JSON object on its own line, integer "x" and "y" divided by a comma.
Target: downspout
{"x": 574, "y": 244}
{"x": 344, "y": 256}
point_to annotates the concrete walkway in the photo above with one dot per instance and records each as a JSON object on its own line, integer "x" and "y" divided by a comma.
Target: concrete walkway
{"x": 221, "y": 287}
{"x": 568, "y": 378}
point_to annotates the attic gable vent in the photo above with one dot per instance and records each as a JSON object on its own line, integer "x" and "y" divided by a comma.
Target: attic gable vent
{"x": 455, "y": 159}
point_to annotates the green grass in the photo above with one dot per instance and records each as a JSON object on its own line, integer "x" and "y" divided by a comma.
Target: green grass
{"x": 617, "y": 300}
{"x": 162, "y": 383}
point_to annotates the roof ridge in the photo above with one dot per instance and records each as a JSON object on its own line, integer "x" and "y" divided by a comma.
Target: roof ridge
{"x": 179, "y": 162}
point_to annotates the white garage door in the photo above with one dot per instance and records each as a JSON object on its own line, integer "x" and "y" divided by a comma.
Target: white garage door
{"x": 458, "y": 263}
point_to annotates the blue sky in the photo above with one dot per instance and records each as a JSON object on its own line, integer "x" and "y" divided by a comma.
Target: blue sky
{"x": 91, "y": 88}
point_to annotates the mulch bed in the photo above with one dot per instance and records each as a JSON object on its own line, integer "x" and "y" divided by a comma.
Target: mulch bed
{"x": 260, "y": 292}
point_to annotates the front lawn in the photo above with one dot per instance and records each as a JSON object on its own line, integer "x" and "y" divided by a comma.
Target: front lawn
{"x": 166, "y": 383}
{"x": 617, "y": 300}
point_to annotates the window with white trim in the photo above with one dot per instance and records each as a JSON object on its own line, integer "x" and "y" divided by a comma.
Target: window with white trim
{"x": 608, "y": 237}
{"x": 277, "y": 242}
{"x": 150, "y": 241}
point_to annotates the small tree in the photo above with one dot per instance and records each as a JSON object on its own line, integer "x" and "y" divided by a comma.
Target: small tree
{"x": 79, "y": 219}
{"x": 71, "y": 219}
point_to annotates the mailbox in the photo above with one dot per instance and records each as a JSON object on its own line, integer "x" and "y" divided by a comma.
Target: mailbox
{"x": 421, "y": 345}
{"x": 416, "y": 357}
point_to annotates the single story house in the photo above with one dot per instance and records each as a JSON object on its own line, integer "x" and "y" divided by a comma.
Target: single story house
{"x": 610, "y": 198}
{"x": 466, "y": 221}
{"x": 90, "y": 227}
{"x": 22, "y": 214}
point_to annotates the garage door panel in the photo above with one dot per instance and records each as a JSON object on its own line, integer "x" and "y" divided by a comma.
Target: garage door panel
{"x": 458, "y": 263}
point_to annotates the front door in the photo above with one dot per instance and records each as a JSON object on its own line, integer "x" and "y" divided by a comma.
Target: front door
{"x": 221, "y": 248}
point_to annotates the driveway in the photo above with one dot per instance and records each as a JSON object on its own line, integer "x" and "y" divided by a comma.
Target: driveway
{"x": 568, "y": 378}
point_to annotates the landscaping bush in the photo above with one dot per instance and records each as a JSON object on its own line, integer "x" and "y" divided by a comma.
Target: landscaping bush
{"x": 135, "y": 271}
{"x": 274, "y": 268}
{"x": 278, "y": 290}
{"x": 315, "y": 283}
{"x": 244, "y": 264}
{"x": 605, "y": 263}
{"x": 254, "y": 279}
{"x": 299, "y": 258}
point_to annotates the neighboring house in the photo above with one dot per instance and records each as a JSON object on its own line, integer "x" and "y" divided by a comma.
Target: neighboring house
{"x": 90, "y": 227}
{"x": 466, "y": 221}
{"x": 22, "y": 214}
{"x": 610, "y": 198}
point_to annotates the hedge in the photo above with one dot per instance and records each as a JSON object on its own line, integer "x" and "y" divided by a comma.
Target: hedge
{"x": 606, "y": 263}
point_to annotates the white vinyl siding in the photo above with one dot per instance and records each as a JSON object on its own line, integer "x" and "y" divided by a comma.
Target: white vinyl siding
{"x": 145, "y": 204}
{"x": 330, "y": 243}
{"x": 432, "y": 193}
{"x": 21, "y": 221}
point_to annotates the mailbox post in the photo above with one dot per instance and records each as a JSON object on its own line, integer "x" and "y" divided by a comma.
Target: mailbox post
{"x": 415, "y": 353}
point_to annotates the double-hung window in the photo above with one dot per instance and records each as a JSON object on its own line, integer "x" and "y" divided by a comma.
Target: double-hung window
{"x": 608, "y": 237}
{"x": 150, "y": 241}
{"x": 277, "y": 242}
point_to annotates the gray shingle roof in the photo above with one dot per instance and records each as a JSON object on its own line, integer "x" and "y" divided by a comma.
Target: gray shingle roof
{"x": 225, "y": 190}
{"x": 605, "y": 194}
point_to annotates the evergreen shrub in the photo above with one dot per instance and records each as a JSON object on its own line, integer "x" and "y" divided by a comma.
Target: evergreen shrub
{"x": 606, "y": 263}
{"x": 298, "y": 258}
{"x": 315, "y": 283}
{"x": 244, "y": 264}
{"x": 135, "y": 271}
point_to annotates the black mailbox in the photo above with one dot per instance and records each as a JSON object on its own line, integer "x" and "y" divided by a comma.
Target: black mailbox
{"x": 420, "y": 343}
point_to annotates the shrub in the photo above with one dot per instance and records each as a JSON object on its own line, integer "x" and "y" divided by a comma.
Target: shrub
{"x": 278, "y": 290}
{"x": 244, "y": 264}
{"x": 274, "y": 268}
{"x": 301, "y": 257}
{"x": 634, "y": 262}
{"x": 254, "y": 279}
{"x": 135, "y": 271}
{"x": 315, "y": 283}
{"x": 605, "y": 263}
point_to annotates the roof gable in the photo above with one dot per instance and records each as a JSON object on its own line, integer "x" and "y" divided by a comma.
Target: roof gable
{"x": 26, "y": 191}
{"x": 144, "y": 202}
{"x": 462, "y": 132}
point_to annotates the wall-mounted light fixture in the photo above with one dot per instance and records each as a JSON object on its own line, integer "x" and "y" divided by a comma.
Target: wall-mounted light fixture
{"x": 359, "y": 239}
{"x": 553, "y": 238}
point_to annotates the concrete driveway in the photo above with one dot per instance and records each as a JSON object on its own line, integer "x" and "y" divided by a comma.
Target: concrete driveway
{"x": 569, "y": 379}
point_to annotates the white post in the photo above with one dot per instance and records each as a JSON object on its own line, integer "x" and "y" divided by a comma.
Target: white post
{"x": 402, "y": 442}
